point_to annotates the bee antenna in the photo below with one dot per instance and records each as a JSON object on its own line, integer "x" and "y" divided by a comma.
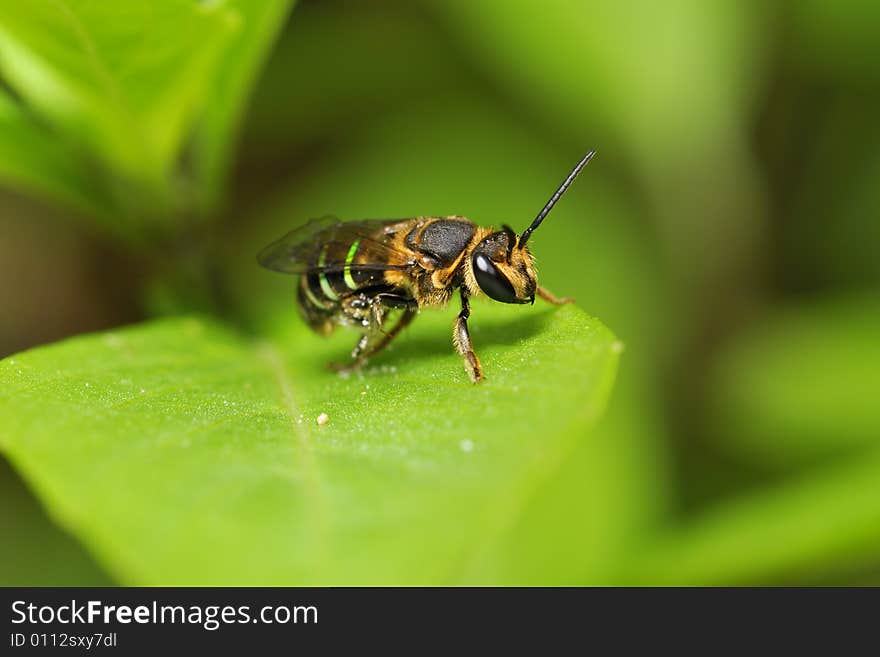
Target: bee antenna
{"x": 556, "y": 196}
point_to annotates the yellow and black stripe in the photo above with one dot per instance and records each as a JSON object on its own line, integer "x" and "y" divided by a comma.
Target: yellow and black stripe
{"x": 335, "y": 275}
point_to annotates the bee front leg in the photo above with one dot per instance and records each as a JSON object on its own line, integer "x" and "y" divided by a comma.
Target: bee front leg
{"x": 461, "y": 338}
{"x": 548, "y": 296}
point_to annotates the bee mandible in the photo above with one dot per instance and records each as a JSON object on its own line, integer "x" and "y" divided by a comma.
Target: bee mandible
{"x": 356, "y": 273}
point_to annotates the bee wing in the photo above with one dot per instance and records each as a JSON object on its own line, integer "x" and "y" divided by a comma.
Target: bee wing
{"x": 297, "y": 252}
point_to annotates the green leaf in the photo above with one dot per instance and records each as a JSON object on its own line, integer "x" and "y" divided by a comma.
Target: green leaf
{"x": 130, "y": 86}
{"x": 335, "y": 66}
{"x": 837, "y": 239}
{"x": 827, "y": 523}
{"x": 837, "y": 39}
{"x": 802, "y": 386}
{"x": 123, "y": 76}
{"x": 180, "y": 453}
{"x": 32, "y": 158}
{"x": 622, "y": 64}
{"x": 33, "y": 551}
{"x": 796, "y": 390}
{"x": 214, "y": 138}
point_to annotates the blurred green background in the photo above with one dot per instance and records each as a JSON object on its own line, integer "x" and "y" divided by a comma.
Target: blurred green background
{"x": 728, "y": 230}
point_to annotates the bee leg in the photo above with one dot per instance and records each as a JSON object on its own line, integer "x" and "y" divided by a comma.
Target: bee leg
{"x": 361, "y": 345}
{"x": 407, "y": 317}
{"x": 367, "y": 346}
{"x": 382, "y": 302}
{"x": 360, "y": 353}
{"x": 461, "y": 338}
{"x": 548, "y": 296}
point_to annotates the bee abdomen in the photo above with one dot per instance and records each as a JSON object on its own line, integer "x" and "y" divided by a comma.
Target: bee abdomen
{"x": 316, "y": 309}
{"x": 334, "y": 277}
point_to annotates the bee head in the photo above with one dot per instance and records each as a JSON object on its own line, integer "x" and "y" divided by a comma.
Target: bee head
{"x": 502, "y": 270}
{"x": 501, "y": 263}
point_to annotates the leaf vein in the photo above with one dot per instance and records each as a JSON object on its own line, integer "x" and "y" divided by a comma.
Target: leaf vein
{"x": 317, "y": 506}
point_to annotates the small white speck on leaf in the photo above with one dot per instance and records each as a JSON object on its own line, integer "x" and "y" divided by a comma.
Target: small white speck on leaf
{"x": 88, "y": 385}
{"x": 322, "y": 419}
{"x": 466, "y": 445}
{"x": 617, "y": 346}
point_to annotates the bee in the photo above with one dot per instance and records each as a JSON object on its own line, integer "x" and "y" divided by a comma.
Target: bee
{"x": 358, "y": 273}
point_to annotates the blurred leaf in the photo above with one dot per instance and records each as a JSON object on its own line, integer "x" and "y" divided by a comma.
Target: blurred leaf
{"x": 837, "y": 38}
{"x": 33, "y": 552}
{"x": 124, "y": 78}
{"x": 127, "y": 84}
{"x": 336, "y": 67}
{"x": 653, "y": 73}
{"x": 853, "y": 246}
{"x": 609, "y": 495}
{"x": 830, "y": 236}
{"x": 34, "y": 159}
{"x": 235, "y": 75}
{"x": 182, "y": 454}
{"x": 803, "y": 385}
{"x": 828, "y": 522}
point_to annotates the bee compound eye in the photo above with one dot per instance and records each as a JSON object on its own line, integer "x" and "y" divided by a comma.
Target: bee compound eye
{"x": 492, "y": 281}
